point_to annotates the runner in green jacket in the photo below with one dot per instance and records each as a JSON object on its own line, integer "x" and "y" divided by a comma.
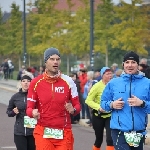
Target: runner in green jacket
{"x": 100, "y": 118}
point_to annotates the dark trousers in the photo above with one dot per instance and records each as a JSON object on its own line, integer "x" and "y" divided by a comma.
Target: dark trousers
{"x": 87, "y": 110}
{"x": 10, "y": 74}
{"x": 99, "y": 124}
{"x": 24, "y": 142}
{"x": 120, "y": 142}
{"x": 6, "y": 74}
{"x": 83, "y": 106}
{"x": 77, "y": 117}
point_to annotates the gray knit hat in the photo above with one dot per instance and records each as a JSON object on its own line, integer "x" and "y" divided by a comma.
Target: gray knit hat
{"x": 49, "y": 52}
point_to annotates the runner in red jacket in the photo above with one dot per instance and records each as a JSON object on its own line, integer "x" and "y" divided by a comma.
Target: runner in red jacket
{"x": 52, "y": 97}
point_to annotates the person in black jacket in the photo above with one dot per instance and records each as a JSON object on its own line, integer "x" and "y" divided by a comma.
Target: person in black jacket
{"x": 5, "y": 69}
{"x": 23, "y": 136}
{"x": 74, "y": 76}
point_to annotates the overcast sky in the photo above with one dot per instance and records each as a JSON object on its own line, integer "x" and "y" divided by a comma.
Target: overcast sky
{"x": 5, "y": 4}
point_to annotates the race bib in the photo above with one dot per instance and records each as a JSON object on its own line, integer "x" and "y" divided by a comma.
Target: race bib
{"x": 133, "y": 138}
{"x": 29, "y": 122}
{"x": 53, "y": 133}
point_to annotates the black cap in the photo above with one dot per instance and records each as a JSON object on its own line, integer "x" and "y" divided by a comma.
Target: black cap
{"x": 49, "y": 52}
{"x": 131, "y": 56}
{"x": 26, "y": 77}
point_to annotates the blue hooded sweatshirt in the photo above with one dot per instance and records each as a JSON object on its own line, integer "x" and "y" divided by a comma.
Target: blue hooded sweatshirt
{"x": 129, "y": 118}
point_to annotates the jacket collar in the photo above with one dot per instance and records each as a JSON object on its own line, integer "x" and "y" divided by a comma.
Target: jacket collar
{"x": 20, "y": 90}
{"x": 139, "y": 75}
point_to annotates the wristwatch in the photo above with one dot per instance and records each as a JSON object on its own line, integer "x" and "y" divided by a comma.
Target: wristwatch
{"x": 74, "y": 110}
{"x": 143, "y": 104}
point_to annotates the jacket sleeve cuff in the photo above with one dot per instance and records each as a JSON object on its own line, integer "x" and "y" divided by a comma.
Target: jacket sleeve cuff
{"x": 29, "y": 112}
{"x": 76, "y": 111}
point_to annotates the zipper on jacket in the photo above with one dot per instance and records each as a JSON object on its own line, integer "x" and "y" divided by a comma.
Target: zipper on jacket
{"x": 131, "y": 106}
{"x": 118, "y": 119}
{"x": 52, "y": 91}
{"x": 65, "y": 123}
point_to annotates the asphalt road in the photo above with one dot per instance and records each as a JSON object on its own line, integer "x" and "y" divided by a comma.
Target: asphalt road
{"x": 84, "y": 136}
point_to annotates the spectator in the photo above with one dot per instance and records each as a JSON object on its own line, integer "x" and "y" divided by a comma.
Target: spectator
{"x": 74, "y": 76}
{"x": 36, "y": 73}
{"x": 5, "y": 69}
{"x": 147, "y": 72}
{"x": 11, "y": 69}
{"x": 97, "y": 76}
{"x": 87, "y": 87}
{"x": 20, "y": 73}
{"x": 1, "y": 73}
{"x": 143, "y": 61}
{"x": 118, "y": 72}
{"x": 29, "y": 72}
{"x": 114, "y": 68}
{"x": 83, "y": 80}
{"x": 142, "y": 67}
{"x": 41, "y": 69}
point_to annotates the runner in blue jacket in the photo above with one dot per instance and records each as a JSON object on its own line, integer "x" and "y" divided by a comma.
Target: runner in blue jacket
{"x": 128, "y": 97}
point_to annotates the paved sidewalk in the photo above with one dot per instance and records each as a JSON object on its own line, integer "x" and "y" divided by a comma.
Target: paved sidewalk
{"x": 11, "y": 85}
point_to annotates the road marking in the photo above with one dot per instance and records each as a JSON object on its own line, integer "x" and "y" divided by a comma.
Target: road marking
{"x": 8, "y": 89}
{"x": 8, "y": 147}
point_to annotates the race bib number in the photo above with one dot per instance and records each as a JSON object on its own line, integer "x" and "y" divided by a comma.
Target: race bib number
{"x": 29, "y": 122}
{"x": 133, "y": 138}
{"x": 53, "y": 133}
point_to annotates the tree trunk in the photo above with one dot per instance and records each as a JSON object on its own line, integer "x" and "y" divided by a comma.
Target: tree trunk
{"x": 29, "y": 61}
{"x": 19, "y": 63}
{"x": 40, "y": 61}
{"x": 67, "y": 64}
{"x": 106, "y": 56}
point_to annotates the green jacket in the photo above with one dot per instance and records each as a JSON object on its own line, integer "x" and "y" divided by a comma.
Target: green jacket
{"x": 94, "y": 97}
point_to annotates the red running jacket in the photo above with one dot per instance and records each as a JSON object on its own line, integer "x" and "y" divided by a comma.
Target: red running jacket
{"x": 50, "y": 98}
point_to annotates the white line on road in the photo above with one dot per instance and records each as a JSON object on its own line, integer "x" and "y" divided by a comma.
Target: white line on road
{"x": 8, "y": 147}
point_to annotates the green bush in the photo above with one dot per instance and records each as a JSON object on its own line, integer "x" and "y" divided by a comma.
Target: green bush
{"x": 15, "y": 73}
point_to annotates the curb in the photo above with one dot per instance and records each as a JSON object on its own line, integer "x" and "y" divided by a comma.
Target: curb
{"x": 8, "y": 89}
{"x": 82, "y": 122}
{"x": 147, "y": 140}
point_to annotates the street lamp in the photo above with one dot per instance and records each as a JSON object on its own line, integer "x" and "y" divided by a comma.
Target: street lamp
{"x": 24, "y": 33}
{"x": 91, "y": 34}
